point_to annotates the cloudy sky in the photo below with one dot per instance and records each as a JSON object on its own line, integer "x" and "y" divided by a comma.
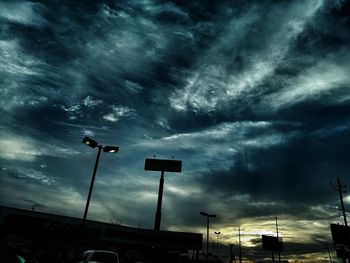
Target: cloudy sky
{"x": 252, "y": 96}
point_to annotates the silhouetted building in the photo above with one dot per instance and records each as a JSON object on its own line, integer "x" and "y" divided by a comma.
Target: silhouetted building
{"x": 32, "y": 230}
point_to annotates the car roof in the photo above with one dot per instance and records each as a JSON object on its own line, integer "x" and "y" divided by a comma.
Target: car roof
{"x": 104, "y": 251}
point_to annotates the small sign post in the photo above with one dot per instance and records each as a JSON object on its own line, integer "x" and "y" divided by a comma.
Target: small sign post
{"x": 162, "y": 166}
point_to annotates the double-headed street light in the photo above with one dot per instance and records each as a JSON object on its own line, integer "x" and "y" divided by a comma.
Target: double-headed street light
{"x": 93, "y": 144}
{"x": 217, "y": 243}
{"x": 208, "y": 216}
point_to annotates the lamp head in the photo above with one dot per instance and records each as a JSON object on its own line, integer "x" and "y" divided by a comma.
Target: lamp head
{"x": 90, "y": 142}
{"x": 204, "y": 214}
{"x": 111, "y": 149}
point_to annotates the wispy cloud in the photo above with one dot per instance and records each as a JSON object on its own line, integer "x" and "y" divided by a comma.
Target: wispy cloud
{"x": 33, "y": 175}
{"x": 15, "y": 67}
{"x": 221, "y": 145}
{"x": 212, "y": 86}
{"x": 22, "y": 148}
{"x": 119, "y": 112}
{"x": 323, "y": 80}
{"x": 133, "y": 87}
{"x": 22, "y": 12}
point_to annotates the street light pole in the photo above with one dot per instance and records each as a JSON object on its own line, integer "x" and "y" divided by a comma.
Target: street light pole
{"x": 207, "y": 215}
{"x": 207, "y": 238}
{"x": 217, "y": 244}
{"x": 92, "y": 184}
{"x": 93, "y": 144}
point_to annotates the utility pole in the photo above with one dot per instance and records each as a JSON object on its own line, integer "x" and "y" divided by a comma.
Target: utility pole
{"x": 278, "y": 242}
{"x": 341, "y": 188}
{"x": 239, "y": 244}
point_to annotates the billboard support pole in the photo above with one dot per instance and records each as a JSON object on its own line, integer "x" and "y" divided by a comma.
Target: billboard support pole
{"x": 161, "y": 165}
{"x": 159, "y": 204}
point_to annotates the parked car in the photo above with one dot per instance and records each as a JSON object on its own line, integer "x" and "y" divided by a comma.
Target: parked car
{"x": 101, "y": 256}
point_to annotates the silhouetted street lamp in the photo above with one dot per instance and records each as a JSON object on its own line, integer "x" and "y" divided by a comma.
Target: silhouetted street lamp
{"x": 217, "y": 243}
{"x": 93, "y": 144}
{"x": 208, "y": 216}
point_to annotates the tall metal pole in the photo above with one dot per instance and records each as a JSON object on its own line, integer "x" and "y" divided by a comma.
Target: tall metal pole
{"x": 207, "y": 237}
{"x": 239, "y": 243}
{"x": 207, "y": 215}
{"x": 340, "y": 186}
{"x": 159, "y": 204}
{"x": 91, "y": 185}
{"x": 278, "y": 243}
{"x": 217, "y": 243}
{"x": 340, "y": 189}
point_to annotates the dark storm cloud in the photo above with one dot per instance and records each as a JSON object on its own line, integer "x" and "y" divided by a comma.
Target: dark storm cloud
{"x": 299, "y": 170}
{"x": 314, "y": 158}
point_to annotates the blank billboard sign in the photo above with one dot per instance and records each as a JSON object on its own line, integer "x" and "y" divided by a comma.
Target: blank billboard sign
{"x": 163, "y": 165}
{"x": 271, "y": 243}
{"x": 342, "y": 252}
{"x": 340, "y": 235}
